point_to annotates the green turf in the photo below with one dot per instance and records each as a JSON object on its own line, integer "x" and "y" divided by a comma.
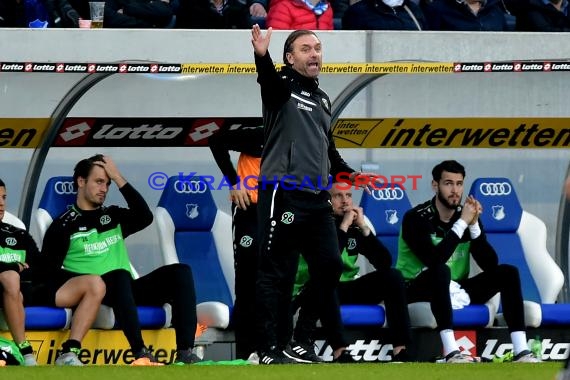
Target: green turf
{"x": 415, "y": 371}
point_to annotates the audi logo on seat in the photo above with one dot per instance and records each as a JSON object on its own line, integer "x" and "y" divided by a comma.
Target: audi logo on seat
{"x": 64, "y": 188}
{"x": 190, "y": 187}
{"x": 495, "y": 188}
{"x": 388, "y": 194}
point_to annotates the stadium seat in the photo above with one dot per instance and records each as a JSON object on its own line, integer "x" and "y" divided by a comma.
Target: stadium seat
{"x": 193, "y": 231}
{"x": 57, "y": 197}
{"x": 520, "y": 239}
{"x": 386, "y": 208}
{"x": 38, "y": 317}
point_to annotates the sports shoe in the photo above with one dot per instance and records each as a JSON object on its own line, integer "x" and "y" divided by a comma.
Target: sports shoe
{"x": 507, "y": 357}
{"x": 526, "y": 357}
{"x": 186, "y": 357}
{"x": 145, "y": 358}
{"x": 253, "y": 358}
{"x": 27, "y": 353}
{"x": 30, "y": 360}
{"x": 455, "y": 357}
{"x": 69, "y": 358}
{"x": 346, "y": 358}
{"x": 302, "y": 353}
{"x": 275, "y": 356}
{"x": 401, "y": 357}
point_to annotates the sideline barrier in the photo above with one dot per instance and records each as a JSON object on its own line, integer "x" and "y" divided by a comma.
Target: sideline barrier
{"x": 101, "y": 346}
{"x": 249, "y": 68}
{"x": 109, "y": 347}
{"x": 475, "y": 132}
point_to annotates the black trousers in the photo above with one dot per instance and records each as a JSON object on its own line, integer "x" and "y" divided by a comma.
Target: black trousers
{"x": 384, "y": 285}
{"x": 433, "y": 285}
{"x": 171, "y": 284}
{"x": 291, "y": 222}
{"x": 246, "y": 247}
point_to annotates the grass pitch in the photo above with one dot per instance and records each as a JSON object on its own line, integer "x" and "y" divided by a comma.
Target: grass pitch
{"x": 415, "y": 371}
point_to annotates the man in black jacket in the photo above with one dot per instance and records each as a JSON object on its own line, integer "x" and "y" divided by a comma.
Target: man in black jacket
{"x": 89, "y": 240}
{"x": 438, "y": 238}
{"x": 294, "y": 210}
{"x": 18, "y": 252}
{"x": 243, "y": 195}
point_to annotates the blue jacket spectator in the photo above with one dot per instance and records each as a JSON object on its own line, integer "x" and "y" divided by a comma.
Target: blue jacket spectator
{"x": 545, "y": 16}
{"x": 466, "y": 15}
{"x": 377, "y": 15}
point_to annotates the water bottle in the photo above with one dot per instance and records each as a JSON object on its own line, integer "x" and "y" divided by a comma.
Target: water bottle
{"x": 536, "y": 347}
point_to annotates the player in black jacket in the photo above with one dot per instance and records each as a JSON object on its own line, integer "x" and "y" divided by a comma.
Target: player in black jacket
{"x": 249, "y": 142}
{"x": 88, "y": 239}
{"x": 385, "y": 284}
{"x": 18, "y": 253}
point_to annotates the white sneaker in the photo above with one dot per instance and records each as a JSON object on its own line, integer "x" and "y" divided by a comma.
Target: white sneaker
{"x": 253, "y": 358}
{"x": 69, "y": 358}
{"x": 526, "y": 357}
{"x": 30, "y": 360}
{"x": 457, "y": 357}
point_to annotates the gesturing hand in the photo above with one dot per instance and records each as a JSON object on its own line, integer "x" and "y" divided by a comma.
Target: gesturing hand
{"x": 259, "y": 41}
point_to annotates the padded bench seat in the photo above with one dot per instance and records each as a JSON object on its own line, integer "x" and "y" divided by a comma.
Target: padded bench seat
{"x": 43, "y": 318}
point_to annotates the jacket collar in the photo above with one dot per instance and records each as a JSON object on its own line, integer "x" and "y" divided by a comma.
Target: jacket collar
{"x": 306, "y": 82}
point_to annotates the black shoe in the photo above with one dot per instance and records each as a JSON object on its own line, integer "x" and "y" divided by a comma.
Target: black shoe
{"x": 345, "y": 357}
{"x": 302, "y": 353}
{"x": 186, "y": 357}
{"x": 145, "y": 353}
{"x": 401, "y": 357}
{"x": 274, "y": 356}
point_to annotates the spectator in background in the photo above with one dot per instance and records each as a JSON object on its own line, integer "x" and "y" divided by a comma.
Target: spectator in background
{"x": 544, "y": 16}
{"x": 384, "y": 15}
{"x": 65, "y": 14}
{"x": 300, "y": 14}
{"x": 118, "y": 13}
{"x": 214, "y": 14}
{"x": 465, "y": 15}
{"x": 258, "y": 12}
{"x": 12, "y": 14}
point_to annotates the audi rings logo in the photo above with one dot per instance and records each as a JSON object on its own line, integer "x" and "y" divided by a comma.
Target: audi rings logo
{"x": 190, "y": 187}
{"x": 388, "y": 194}
{"x": 64, "y": 187}
{"x": 495, "y": 188}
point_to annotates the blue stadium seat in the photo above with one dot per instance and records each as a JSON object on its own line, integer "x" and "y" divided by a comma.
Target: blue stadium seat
{"x": 520, "y": 239}
{"x": 385, "y": 208}
{"x": 57, "y": 197}
{"x": 38, "y": 317}
{"x": 193, "y": 231}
